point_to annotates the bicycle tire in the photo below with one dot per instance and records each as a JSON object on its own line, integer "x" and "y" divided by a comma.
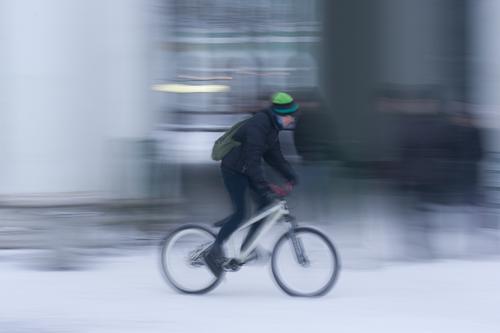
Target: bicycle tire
{"x": 164, "y": 264}
{"x": 331, "y": 281}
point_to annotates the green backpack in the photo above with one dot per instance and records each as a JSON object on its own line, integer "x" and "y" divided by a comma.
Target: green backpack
{"x": 225, "y": 143}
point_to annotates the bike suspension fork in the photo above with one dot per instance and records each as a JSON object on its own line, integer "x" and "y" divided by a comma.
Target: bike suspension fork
{"x": 298, "y": 248}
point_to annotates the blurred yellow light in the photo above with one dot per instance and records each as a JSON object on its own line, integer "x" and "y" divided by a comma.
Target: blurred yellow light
{"x": 204, "y": 78}
{"x": 187, "y": 89}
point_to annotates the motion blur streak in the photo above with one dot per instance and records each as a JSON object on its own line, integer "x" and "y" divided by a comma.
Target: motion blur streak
{"x": 109, "y": 110}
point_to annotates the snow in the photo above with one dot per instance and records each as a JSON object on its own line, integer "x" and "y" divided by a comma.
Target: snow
{"x": 127, "y": 294}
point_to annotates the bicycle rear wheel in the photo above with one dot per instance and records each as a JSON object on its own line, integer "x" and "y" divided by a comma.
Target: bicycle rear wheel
{"x": 181, "y": 260}
{"x": 305, "y": 263}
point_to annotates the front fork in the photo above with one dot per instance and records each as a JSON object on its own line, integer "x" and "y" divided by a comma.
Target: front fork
{"x": 298, "y": 248}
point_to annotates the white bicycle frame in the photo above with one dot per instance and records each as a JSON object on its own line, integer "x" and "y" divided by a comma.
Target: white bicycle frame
{"x": 272, "y": 214}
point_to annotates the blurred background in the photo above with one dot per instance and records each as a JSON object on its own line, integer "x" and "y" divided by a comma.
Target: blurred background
{"x": 109, "y": 109}
{"x": 108, "y": 113}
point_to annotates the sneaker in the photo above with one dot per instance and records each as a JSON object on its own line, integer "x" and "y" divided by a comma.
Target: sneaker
{"x": 214, "y": 259}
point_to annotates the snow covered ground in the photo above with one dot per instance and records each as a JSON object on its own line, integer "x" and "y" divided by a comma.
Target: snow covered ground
{"x": 127, "y": 294}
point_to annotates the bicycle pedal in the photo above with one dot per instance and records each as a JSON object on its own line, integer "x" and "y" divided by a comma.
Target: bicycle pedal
{"x": 232, "y": 265}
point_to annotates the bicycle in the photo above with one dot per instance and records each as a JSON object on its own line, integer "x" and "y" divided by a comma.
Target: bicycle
{"x": 305, "y": 256}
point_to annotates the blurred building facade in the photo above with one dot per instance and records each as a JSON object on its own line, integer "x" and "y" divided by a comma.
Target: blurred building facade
{"x": 250, "y": 50}
{"x": 74, "y": 91}
{"x": 99, "y": 98}
{"x": 115, "y": 104}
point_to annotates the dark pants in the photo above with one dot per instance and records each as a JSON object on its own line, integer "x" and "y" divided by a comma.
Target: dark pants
{"x": 237, "y": 185}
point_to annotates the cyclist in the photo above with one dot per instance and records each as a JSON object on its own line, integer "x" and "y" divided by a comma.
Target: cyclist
{"x": 241, "y": 169}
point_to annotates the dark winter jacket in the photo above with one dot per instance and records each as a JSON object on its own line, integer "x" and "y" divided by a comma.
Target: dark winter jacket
{"x": 259, "y": 136}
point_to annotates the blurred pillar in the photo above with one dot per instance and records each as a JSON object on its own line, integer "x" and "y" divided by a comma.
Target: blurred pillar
{"x": 484, "y": 46}
{"x": 347, "y": 69}
{"x": 368, "y": 44}
{"x": 74, "y": 80}
{"x": 420, "y": 42}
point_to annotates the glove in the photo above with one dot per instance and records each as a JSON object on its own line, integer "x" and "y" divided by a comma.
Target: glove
{"x": 280, "y": 191}
{"x": 288, "y": 187}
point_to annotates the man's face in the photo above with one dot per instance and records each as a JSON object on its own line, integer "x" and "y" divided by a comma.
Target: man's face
{"x": 288, "y": 121}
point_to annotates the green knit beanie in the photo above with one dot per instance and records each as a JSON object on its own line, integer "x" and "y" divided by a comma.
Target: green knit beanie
{"x": 283, "y": 103}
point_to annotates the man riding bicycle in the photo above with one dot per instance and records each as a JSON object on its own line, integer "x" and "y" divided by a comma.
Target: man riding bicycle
{"x": 241, "y": 169}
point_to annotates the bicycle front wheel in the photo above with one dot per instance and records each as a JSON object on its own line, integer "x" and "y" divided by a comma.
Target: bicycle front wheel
{"x": 305, "y": 263}
{"x": 182, "y": 263}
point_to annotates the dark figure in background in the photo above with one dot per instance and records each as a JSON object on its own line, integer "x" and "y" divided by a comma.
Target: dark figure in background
{"x": 315, "y": 143}
{"x": 314, "y": 135}
{"x": 426, "y": 156}
{"x": 241, "y": 169}
{"x": 467, "y": 154}
{"x": 426, "y": 164}
{"x": 467, "y": 194}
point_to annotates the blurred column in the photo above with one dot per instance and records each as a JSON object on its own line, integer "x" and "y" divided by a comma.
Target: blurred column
{"x": 414, "y": 41}
{"x": 74, "y": 79}
{"x": 371, "y": 43}
{"x": 347, "y": 70}
{"x": 484, "y": 46}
